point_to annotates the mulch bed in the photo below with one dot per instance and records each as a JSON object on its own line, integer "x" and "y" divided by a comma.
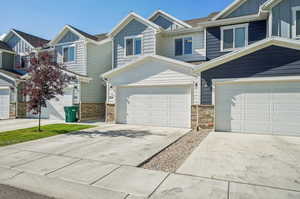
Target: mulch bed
{"x": 171, "y": 158}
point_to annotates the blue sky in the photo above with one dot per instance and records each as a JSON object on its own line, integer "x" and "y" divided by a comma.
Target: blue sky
{"x": 45, "y": 18}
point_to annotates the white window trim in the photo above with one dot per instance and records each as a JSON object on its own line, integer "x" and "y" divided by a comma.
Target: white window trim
{"x": 181, "y": 37}
{"x": 134, "y": 37}
{"x": 69, "y": 46}
{"x": 294, "y": 10}
{"x": 246, "y": 26}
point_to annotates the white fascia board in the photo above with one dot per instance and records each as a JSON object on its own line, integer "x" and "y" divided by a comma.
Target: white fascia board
{"x": 8, "y": 77}
{"x": 160, "y": 12}
{"x": 269, "y": 4}
{"x": 183, "y": 31}
{"x": 243, "y": 19}
{"x": 128, "y": 18}
{"x": 187, "y": 66}
{"x": 229, "y": 9}
{"x": 63, "y": 30}
{"x": 277, "y": 41}
{"x": 7, "y": 51}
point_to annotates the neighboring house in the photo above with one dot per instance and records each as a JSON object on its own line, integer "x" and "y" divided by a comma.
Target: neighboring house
{"x": 248, "y": 81}
{"x": 13, "y": 51}
{"x": 86, "y": 57}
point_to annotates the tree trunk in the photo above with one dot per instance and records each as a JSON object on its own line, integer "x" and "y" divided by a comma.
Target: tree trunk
{"x": 40, "y": 110}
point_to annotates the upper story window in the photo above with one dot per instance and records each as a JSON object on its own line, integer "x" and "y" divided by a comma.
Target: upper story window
{"x": 69, "y": 54}
{"x": 133, "y": 46}
{"x": 183, "y": 46}
{"x": 296, "y": 22}
{"x": 234, "y": 37}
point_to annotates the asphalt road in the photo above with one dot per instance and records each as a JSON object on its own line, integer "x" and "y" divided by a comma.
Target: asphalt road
{"x": 8, "y": 192}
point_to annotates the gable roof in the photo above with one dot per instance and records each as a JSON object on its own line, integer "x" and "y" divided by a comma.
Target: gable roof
{"x": 168, "y": 16}
{"x": 80, "y": 33}
{"x": 4, "y": 46}
{"x": 229, "y": 9}
{"x": 128, "y": 19}
{"x": 196, "y": 21}
{"x": 277, "y": 41}
{"x": 189, "y": 67}
{"x": 34, "y": 41}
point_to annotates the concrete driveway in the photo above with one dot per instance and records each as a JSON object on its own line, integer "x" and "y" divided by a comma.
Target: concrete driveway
{"x": 14, "y": 124}
{"x": 251, "y": 164}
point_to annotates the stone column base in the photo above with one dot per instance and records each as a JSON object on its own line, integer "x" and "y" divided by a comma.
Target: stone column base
{"x": 202, "y": 117}
{"x": 91, "y": 111}
{"x": 22, "y": 110}
{"x": 110, "y": 113}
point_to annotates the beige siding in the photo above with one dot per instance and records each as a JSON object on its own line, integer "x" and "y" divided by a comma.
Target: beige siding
{"x": 166, "y": 47}
{"x": 99, "y": 61}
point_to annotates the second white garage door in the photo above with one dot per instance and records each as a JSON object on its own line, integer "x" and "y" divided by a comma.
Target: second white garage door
{"x": 261, "y": 107}
{"x": 154, "y": 106}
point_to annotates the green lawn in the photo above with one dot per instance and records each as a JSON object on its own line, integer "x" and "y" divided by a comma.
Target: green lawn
{"x": 24, "y": 135}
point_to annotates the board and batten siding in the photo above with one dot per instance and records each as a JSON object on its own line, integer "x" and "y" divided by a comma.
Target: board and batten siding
{"x": 99, "y": 62}
{"x": 80, "y": 64}
{"x": 166, "y": 47}
{"x": 282, "y": 18}
{"x": 133, "y": 28}
{"x": 165, "y": 23}
{"x": 19, "y": 45}
{"x": 257, "y": 31}
{"x": 268, "y": 62}
{"x": 249, "y": 7}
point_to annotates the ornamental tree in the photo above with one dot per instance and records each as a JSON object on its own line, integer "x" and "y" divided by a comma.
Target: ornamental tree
{"x": 45, "y": 80}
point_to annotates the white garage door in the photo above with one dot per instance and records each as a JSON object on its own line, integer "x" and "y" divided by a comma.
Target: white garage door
{"x": 267, "y": 108}
{"x": 4, "y": 103}
{"x": 55, "y": 108}
{"x": 154, "y": 106}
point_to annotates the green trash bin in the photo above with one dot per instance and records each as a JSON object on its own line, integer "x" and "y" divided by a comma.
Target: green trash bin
{"x": 71, "y": 113}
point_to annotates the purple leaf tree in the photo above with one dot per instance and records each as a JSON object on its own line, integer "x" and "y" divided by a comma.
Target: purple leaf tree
{"x": 45, "y": 80}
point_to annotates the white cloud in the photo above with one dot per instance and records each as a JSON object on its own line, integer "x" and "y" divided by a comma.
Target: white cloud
{"x": 2, "y": 36}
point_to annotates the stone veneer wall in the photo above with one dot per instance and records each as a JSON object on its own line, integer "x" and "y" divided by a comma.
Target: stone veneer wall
{"x": 202, "y": 117}
{"x": 110, "y": 113}
{"x": 12, "y": 110}
{"x": 92, "y": 111}
{"x": 22, "y": 110}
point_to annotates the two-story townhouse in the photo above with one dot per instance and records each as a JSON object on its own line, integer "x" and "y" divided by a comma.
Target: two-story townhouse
{"x": 152, "y": 80}
{"x": 247, "y": 79}
{"x": 85, "y": 56}
{"x": 13, "y": 51}
{"x": 251, "y": 80}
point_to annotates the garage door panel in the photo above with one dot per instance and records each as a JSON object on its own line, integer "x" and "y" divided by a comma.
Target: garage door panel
{"x": 4, "y": 103}
{"x": 155, "y": 106}
{"x": 261, "y": 107}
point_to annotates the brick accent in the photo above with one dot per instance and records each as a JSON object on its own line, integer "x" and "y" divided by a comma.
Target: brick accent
{"x": 202, "y": 117}
{"x": 110, "y": 113}
{"x": 12, "y": 110}
{"x": 92, "y": 111}
{"x": 22, "y": 110}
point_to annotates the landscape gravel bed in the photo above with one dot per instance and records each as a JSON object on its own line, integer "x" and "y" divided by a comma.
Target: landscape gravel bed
{"x": 171, "y": 158}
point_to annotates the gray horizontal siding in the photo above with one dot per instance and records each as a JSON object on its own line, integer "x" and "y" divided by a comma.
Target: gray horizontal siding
{"x": 268, "y": 62}
{"x": 282, "y": 18}
{"x": 250, "y": 7}
{"x": 257, "y": 31}
{"x": 7, "y": 60}
{"x": 133, "y": 28}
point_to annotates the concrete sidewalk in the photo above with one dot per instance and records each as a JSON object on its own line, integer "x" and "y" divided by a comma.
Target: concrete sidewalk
{"x": 15, "y": 124}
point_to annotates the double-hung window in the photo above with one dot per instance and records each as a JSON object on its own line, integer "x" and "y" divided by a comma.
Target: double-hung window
{"x": 183, "y": 46}
{"x": 234, "y": 37}
{"x": 69, "y": 54}
{"x": 296, "y": 22}
{"x": 133, "y": 46}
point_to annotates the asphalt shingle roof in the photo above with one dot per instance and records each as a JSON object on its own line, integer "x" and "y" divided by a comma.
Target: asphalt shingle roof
{"x": 194, "y": 22}
{"x": 33, "y": 40}
{"x": 4, "y": 46}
